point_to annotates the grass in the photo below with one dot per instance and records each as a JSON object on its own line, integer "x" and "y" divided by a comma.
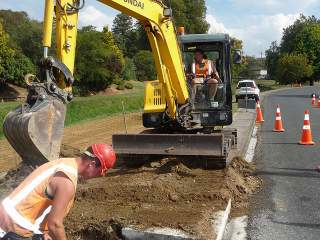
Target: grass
{"x": 83, "y": 109}
{"x": 267, "y": 85}
{"x": 88, "y": 108}
{"x": 4, "y": 109}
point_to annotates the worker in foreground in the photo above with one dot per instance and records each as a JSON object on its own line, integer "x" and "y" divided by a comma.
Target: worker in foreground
{"x": 37, "y": 207}
{"x": 204, "y": 71}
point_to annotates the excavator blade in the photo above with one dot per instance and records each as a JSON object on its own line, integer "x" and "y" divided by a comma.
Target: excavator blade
{"x": 208, "y": 151}
{"x": 36, "y": 132}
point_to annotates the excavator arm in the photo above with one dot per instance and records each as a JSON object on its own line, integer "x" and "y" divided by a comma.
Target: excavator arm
{"x": 35, "y": 129}
{"x": 157, "y": 21}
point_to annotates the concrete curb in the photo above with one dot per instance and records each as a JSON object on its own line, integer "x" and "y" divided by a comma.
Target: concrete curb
{"x": 154, "y": 234}
{"x": 224, "y": 222}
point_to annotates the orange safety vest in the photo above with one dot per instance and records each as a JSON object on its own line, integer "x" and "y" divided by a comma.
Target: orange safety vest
{"x": 202, "y": 70}
{"x": 29, "y": 204}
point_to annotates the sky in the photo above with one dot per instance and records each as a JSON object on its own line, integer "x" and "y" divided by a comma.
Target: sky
{"x": 256, "y": 22}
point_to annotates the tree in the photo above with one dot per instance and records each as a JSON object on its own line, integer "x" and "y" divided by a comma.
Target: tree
{"x": 117, "y": 61}
{"x": 25, "y": 34}
{"x": 190, "y": 14}
{"x": 129, "y": 72}
{"x": 272, "y": 57}
{"x": 238, "y": 70}
{"x": 303, "y": 37}
{"x": 13, "y": 65}
{"x": 145, "y": 67}
{"x": 293, "y": 68}
{"x": 98, "y": 62}
{"x": 6, "y": 54}
{"x": 125, "y": 34}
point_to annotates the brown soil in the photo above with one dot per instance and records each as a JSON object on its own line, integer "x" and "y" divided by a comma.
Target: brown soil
{"x": 12, "y": 92}
{"x": 78, "y": 136}
{"x": 165, "y": 194}
{"x": 160, "y": 194}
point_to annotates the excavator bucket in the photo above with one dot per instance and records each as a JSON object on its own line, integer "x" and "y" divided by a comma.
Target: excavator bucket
{"x": 208, "y": 151}
{"x": 36, "y": 132}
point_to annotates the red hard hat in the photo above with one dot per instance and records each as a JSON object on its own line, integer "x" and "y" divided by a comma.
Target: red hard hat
{"x": 105, "y": 154}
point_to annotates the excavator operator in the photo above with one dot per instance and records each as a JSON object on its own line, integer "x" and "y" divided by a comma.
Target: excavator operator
{"x": 203, "y": 71}
{"x": 37, "y": 207}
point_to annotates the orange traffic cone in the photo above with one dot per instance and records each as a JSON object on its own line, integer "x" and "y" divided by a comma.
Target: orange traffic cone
{"x": 313, "y": 102}
{"x": 259, "y": 118}
{"x": 278, "y": 123}
{"x": 306, "y": 138}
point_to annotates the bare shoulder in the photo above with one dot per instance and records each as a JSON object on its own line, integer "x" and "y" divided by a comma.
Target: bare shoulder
{"x": 61, "y": 182}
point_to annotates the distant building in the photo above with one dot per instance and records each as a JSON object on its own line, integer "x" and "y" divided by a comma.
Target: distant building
{"x": 262, "y": 74}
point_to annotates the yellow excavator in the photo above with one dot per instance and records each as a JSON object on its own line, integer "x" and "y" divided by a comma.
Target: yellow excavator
{"x": 182, "y": 124}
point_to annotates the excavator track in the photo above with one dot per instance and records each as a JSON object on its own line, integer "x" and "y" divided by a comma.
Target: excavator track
{"x": 207, "y": 151}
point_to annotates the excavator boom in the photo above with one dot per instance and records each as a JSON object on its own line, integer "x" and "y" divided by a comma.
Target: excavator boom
{"x": 35, "y": 129}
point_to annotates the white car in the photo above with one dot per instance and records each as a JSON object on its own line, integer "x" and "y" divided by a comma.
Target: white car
{"x": 249, "y": 89}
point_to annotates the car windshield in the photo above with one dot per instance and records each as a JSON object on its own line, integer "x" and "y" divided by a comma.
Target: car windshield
{"x": 245, "y": 84}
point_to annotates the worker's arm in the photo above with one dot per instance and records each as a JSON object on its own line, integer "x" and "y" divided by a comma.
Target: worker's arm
{"x": 63, "y": 192}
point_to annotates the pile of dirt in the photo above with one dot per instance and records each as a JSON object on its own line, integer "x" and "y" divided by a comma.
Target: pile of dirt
{"x": 69, "y": 151}
{"x": 161, "y": 194}
{"x": 13, "y": 178}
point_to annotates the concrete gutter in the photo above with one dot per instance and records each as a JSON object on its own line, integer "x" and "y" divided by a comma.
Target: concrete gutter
{"x": 154, "y": 234}
{"x": 222, "y": 222}
{"x": 244, "y": 122}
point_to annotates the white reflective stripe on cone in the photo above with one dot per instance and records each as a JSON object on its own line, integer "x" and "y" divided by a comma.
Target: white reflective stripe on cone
{"x": 278, "y": 118}
{"x": 306, "y": 127}
{"x": 306, "y": 117}
{"x": 18, "y": 218}
{"x": 278, "y": 110}
{"x": 39, "y": 179}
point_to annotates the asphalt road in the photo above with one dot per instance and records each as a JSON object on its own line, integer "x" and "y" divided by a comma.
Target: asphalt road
{"x": 288, "y": 206}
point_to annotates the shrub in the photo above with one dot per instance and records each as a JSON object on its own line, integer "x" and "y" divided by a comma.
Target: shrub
{"x": 128, "y": 85}
{"x": 121, "y": 87}
{"x": 129, "y": 72}
{"x": 293, "y": 68}
{"x": 145, "y": 67}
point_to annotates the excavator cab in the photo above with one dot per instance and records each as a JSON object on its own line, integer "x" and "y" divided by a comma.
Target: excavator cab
{"x": 210, "y": 104}
{"x": 211, "y": 100}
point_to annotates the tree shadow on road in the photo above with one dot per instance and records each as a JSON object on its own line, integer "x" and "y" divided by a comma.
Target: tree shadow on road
{"x": 294, "y": 173}
{"x": 293, "y": 95}
{"x": 279, "y": 143}
{"x": 298, "y": 169}
{"x": 305, "y": 225}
